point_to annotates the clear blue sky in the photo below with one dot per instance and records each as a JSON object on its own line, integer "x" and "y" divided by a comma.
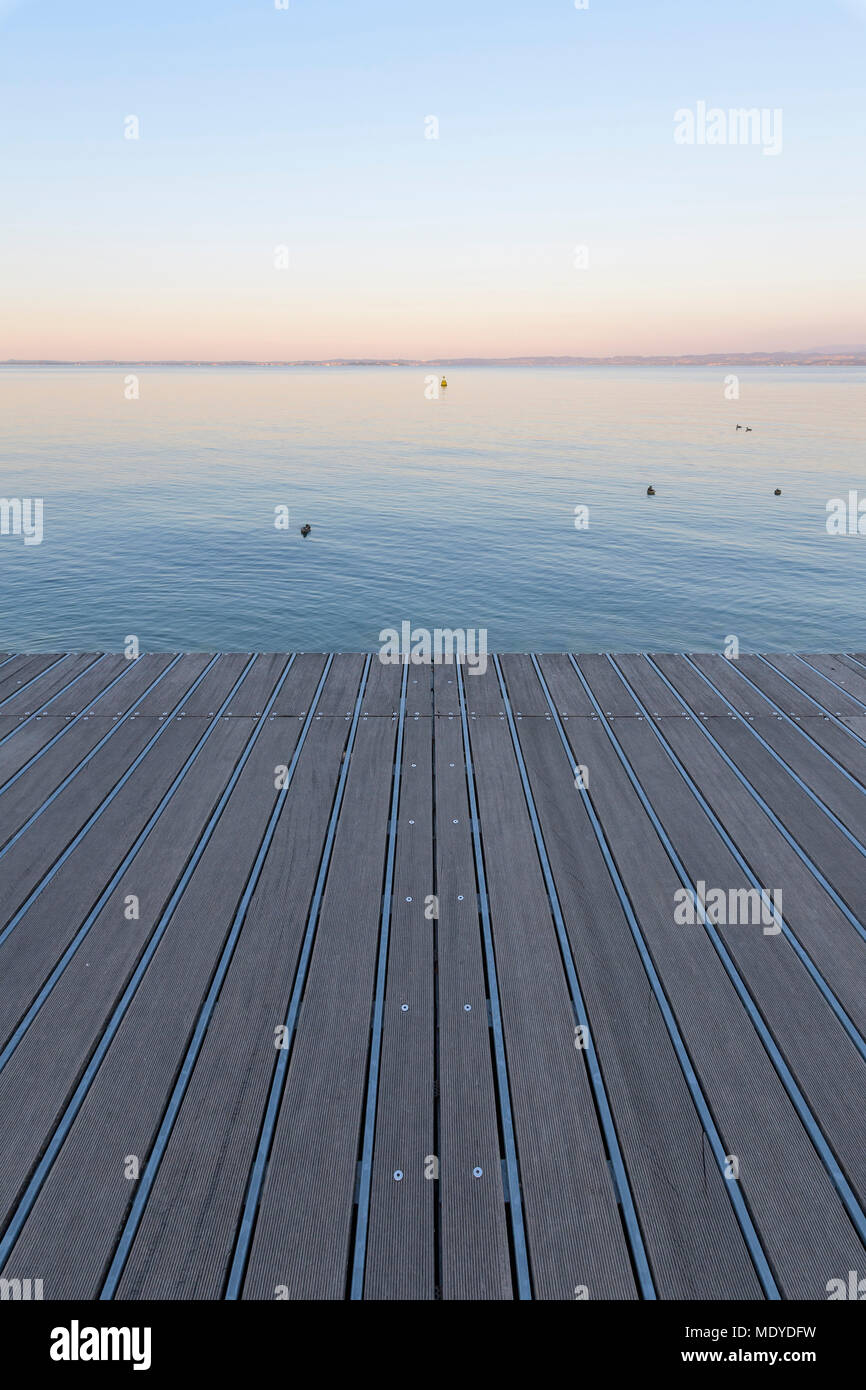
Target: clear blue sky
{"x": 262, "y": 128}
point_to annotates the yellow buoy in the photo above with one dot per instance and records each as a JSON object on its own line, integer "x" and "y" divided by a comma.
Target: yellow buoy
{"x": 443, "y": 383}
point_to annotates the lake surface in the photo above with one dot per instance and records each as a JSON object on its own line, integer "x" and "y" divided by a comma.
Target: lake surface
{"x": 159, "y": 512}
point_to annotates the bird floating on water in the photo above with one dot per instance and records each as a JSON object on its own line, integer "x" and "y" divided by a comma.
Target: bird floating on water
{"x": 306, "y": 529}
{"x": 748, "y": 429}
{"x": 778, "y": 492}
{"x": 650, "y": 492}
{"x": 739, "y": 427}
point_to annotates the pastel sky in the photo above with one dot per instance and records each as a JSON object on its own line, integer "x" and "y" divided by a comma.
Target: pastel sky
{"x": 306, "y": 127}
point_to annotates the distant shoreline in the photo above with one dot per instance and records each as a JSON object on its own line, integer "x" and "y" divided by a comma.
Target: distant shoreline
{"x": 732, "y": 359}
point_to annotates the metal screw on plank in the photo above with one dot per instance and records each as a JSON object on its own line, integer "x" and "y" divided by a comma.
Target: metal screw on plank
{"x": 467, "y": 1008}
{"x": 477, "y": 1172}
{"x": 404, "y": 1008}
{"x": 398, "y": 1176}
{"x": 409, "y": 899}
{"x": 460, "y": 897}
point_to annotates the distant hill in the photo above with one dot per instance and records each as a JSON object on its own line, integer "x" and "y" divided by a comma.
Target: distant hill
{"x": 816, "y": 357}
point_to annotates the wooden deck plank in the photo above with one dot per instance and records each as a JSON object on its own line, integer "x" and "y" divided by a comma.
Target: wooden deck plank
{"x": 341, "y": 687}
{"x": 482, "y": 690}
{"x": 48, "y": 690}
{"x": 96, "y": 678}
{"x": 299, "y": 685}
{"x": 77, "y": 1217}
{"x": 152, "y": 1035}
{"x": 817, "y": 1049}
{"x": 401, "y": 1258}
{"x": 258, "y": 683}
{"x": 28, "y": 739}
{"x": 568, "y": 694}
{"x": 834, "y": 734}
{"x": 21, "y": 670}
{"x": 26, "y": 861}
{"x": 813, "y": 766}
{"x": 694, "y": 1244}
{"x": 473, "y": 1233}
{"x": 808, "y": 681}
{"x": 694, "y": 690}
{"x": 384, "y": 682}
{"x": 826, "y": 845}
{"x": 608, "y": 689}
{"x": 92, "y": 783}
{"x": 184, "y": 1244}
{"x": 801, "y": 1220}
{"x": 574, "y": 1232}
{"x": 303, "y": 1245}
{"x": 176, "y": 682}
{"x": 525, "y": 693}
{"x": 818, "y": 923}
{"x": 69, "y": 1023}
{"x": 42, "y": 934}
{"x": 839, "y": 669}
{"x": 733, "y": 678}
{"x": 656, "y": 697}
{"x": 723, "y": 675}
{"x": 207, "y": 697}
{"x": 144, "y": 671}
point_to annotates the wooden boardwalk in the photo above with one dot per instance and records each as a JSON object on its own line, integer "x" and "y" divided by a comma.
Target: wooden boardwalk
{"x": 326, "y": 979}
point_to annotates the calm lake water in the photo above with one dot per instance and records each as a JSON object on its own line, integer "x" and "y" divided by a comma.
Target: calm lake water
{"x": 452, "y": 512}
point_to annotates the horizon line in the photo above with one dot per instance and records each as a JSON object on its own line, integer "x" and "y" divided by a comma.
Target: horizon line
{"x": 854, "y": 356}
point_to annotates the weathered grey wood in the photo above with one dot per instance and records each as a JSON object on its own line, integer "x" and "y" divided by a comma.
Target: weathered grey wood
{"x": 654, "y": 693}
{"x": 612, "y": 696}
{"x": 142, "y": 673}
{"x": 568, "y": 695}
{"x": 71, "y": 1021}
{"x": 341, "y": 687}
{"x": 401, "y": 1249}
{"x": 303, "y": 1245}
{"x": 384, "y": 682}
{"x": 258, "y": 683}
{"x": 574, "y": 1232}
{"x": 800, "y": 1217}
{"x": 438, "y": 1100}
{"x": 819, "y": 925}
{"x": 57, "y": 824}
{"x": 689, "y": 1212}
{"x": 826, "y": 695}
{"x": 728, "y": 677}
{"x": 695, "y": 691}
{"x": 474, "y": 1252}
{"x": 77, "y": 1218}
{"x": 45, "y": 694}
{"x": 826, "y": 845}
{"x": 811, "y": 1038}
{"x": 482, "y": 690}
{"x": 23, "y": 669}
{"x": 184, "y": 1244}
{"x": 42, "y": 934}
{"x": 26, "y": 862}
{"x": 205, "y": 698}
{"x": 300, "y": 685}
{"x": 28, "y": 739}
{"x": 526, "y": 695}
{"x": 840, "y": 669}
{"x": 814, "y": 767}
{"x": 176, "y": 682}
